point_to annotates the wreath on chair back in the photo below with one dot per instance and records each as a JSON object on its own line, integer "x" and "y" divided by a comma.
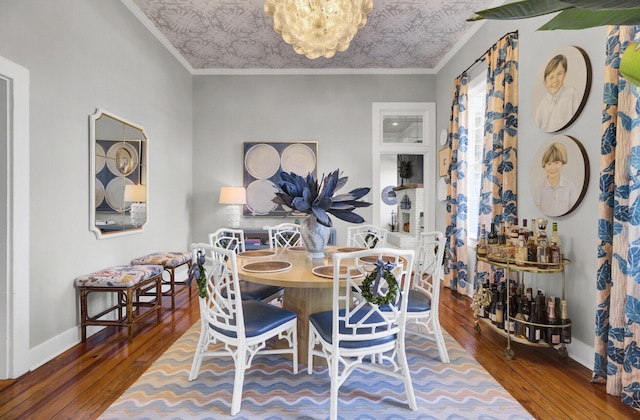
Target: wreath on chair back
{"x": 371, "y": 283}
{"x": 199, "y": 273}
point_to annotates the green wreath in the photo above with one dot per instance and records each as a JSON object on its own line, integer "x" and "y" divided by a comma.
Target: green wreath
{"x": 371, "y": 240}
{"x": 374, "y": 298}
{"x": 199, "y": 273}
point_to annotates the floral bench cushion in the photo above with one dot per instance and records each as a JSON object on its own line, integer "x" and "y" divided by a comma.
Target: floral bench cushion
{"x": 119, "y": 276}
{"x": 166, "y": 259}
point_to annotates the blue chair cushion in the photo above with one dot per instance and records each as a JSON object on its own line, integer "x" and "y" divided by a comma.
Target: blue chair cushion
{"x": 255, "y": 291}
{"x": 417, "y": 302}
{"x": 259, "y": 318}
{"x": 322, "y": 321}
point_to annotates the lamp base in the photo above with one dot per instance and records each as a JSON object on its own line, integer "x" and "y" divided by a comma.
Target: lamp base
{"x": 138, "y": 214}
{"x": 233, "y": 216}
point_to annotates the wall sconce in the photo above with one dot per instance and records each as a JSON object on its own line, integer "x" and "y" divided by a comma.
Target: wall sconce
{"x": 234, "y": 197}
{"x": 137, "y": 196}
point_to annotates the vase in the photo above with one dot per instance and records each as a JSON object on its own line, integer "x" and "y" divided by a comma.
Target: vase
{"x": 315, "y": 236}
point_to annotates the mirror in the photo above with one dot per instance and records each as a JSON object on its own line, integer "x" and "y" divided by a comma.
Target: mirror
{"x": 118, "y": 175}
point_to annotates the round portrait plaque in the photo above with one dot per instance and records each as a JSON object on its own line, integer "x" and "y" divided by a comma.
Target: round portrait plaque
{"x": 559, "y": 175}
{"x": 561, "y": 89}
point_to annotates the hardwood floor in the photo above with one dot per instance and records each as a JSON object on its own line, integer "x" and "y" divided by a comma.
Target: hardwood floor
{"x": 83, "y": 381}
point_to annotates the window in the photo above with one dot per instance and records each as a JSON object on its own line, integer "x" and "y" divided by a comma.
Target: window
{"x": 477, "y": 97}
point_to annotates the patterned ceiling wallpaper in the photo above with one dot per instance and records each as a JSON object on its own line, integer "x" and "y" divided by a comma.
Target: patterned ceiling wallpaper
{"x": 237, "y": 34}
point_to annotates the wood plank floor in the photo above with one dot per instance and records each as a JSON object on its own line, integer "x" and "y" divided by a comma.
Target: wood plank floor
{"x": 85, "y": 380}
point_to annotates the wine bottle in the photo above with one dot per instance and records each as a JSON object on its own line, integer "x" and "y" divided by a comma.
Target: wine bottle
{"x": 512, "y": 311}
{"x": 565, "y": 334}
{"x": 532, "y": 329}
{"x": 519, "y": 327}
{"x": 553, "y": 332}
{"x": 494, "y": 305}
{"x": 525, "y": 230}
{"x": 500, "y": 309}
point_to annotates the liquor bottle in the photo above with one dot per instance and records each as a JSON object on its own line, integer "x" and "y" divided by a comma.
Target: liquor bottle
{"x": 500, "y": 309}
{"x": 541, "y": 307}
{"x": 553, "y": 332}
{"x": 482, "y": 243}
{"x": 501, "y": 234}
{"x": 525, "y": 230}
{"x": 534, "y": 231}
{"x": 555, "y": 255}
{"x": 532, "y": 330}
{"x": 521, "y": 249}
{"x": 529, "y": 294}
{"x": 492, "y": 237}
{"x": 542, "y": 244}
{"x": 494, "y": 305}
{"x": 565, "y": 334}
{"x": 514, "y": 233}
{"x": 532, "y": 250}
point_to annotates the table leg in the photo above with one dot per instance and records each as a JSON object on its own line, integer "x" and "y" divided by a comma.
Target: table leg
{"x": 305, "y": 302}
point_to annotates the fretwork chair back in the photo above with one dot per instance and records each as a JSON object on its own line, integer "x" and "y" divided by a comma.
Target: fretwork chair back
{"x": 233, "y": 239}
{"x": 230, "y": 326}
{"x": 352, "y": 331}
{"x": 284, "y": 235}
{"x": 424, "y": 296}
{"x": 366, "y": 236}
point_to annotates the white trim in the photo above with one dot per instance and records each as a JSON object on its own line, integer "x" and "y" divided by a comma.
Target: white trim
{"x": 305, "y": 71}
{"x": 17, "y": 274}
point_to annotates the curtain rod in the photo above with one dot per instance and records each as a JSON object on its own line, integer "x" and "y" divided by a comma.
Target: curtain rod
{"x": 483, "y": 57}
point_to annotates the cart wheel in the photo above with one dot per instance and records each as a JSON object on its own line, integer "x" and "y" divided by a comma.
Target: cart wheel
{"x": 477, "y": 328}
{"x": 509, "y": 353}
{"x": 562, "y": 351}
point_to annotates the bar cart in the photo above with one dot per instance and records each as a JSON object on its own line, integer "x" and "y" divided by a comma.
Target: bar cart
{"x": 510, "y": 264}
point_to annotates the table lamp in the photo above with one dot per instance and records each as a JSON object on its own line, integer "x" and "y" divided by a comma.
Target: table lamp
{"x": 234, "y": 197}
{"x": 137, "y": 196}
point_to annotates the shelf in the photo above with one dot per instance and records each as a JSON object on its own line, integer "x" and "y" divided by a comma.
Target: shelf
{"x": 528, "y": 267}
{"x": 515, "y": 338}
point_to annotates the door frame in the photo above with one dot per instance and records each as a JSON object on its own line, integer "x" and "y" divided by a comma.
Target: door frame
{"x": 14, "y": 310}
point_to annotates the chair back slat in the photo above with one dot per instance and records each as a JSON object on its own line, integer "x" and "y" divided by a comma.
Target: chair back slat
{"x": 367, "y": 236}
{"x": 284, "y": 235}
{"x": 429, "y": 265}
{"x": 228, "y": 238}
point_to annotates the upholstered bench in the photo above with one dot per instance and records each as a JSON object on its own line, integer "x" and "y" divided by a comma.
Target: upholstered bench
{"x": 170, "y": 261}
{"x": 132, "y": 284}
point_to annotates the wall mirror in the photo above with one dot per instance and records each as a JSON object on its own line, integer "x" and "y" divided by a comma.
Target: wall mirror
{"x": 118, "y": 175}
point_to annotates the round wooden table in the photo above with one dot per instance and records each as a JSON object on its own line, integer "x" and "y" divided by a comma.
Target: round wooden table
{"x": 305, "y": 293}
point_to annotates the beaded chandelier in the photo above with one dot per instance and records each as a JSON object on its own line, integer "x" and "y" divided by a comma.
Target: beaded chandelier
{"x": 318, "y": 28}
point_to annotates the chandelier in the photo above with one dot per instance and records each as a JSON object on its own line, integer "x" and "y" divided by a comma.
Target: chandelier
{"x": 318, "y": 27}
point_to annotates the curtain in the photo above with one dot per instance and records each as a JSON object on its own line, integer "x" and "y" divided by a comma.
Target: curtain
{"x": 456, "y": 232}
{"x": 498, "y": 191}
{"x": 617, "y": 332}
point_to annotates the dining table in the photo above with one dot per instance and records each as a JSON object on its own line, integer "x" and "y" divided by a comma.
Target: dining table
{"x": 307, "y": 282}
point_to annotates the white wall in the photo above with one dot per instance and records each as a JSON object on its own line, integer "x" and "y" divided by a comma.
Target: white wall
{"x": 333, "y": 110}
{"x": 578, "y": 229}
{"x": 82, "y": 55}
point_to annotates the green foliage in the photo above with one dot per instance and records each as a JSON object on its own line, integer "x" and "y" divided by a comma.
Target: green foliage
{"x": 574, "y": 14}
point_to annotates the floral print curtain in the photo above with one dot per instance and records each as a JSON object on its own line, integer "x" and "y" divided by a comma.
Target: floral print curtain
{"x": 498, "y": 191}
{"x": 455, "y": 270}
{"x": 617, "y": 350}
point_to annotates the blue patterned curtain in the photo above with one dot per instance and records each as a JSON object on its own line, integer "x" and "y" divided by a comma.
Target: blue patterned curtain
{"x": 455, "y": 270}
{"x": 498, "y": 191}
{"x": 617, "y": 358}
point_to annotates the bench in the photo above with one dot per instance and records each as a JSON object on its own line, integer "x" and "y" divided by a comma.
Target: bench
{"x": 131, "y": 283}
{"x": 170, "y": 261}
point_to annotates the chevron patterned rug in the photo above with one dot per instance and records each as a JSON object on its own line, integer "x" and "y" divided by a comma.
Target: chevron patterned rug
{"x": 459, "y": 390}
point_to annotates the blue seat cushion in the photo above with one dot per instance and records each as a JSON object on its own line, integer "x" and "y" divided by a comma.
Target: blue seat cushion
{"x": 417, "y": 302}
{"x": 255, "y": 291}
{"x": 259, "y": 318}
{"x": 322, "y": 321}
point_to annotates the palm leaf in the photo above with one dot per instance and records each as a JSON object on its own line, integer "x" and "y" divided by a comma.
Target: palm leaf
{"x": 581, "y": 19}
{"x": 521, "y": 10}
{"x": 603, "y": 4}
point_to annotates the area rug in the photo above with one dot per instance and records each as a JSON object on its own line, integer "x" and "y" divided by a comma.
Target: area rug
{"x": 459, "y": 390}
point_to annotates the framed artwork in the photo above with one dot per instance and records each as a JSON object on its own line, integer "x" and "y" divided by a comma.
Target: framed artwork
{"x": 263, "y": 162}
{"x": 443, "y": 161}
{"x": 559, "y": 176}
{"x": 561, "y": 89}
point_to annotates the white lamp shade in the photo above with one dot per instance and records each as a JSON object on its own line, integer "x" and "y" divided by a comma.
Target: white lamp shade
{"x": 233, "y": 195}
{"x": 135, "y": 193}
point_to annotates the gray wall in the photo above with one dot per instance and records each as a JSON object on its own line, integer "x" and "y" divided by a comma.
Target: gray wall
{"x": 83, "y": 55}
{"x": 333, "y": 110}
{"x": 578, "y": 230}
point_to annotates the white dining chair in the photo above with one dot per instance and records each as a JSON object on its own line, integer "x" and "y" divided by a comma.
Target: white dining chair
{"x": 233, "y": 239}
{"x": 366, "y": 236}
{"x": 230, "y": 326}
{"x": 424, "y": 296}
{"x": 351, "y": 332}
{"x": 284, "y": 235}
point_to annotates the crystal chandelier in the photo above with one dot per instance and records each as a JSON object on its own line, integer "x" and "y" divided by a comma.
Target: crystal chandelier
{"x": 318, "y": 27}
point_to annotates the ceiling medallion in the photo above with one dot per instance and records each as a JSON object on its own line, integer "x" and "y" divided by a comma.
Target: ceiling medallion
{"x": 318, "y": 28}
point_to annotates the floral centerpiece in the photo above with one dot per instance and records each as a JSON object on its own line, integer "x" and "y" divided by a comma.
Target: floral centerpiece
{"x": 318, "y": 200}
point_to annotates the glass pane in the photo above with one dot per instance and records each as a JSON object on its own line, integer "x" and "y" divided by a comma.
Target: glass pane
{"x": 402, "y": 129}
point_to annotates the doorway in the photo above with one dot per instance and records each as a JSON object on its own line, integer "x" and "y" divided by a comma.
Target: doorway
{"x": 14, "y": 200}
{"x": 403, "y": 134}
